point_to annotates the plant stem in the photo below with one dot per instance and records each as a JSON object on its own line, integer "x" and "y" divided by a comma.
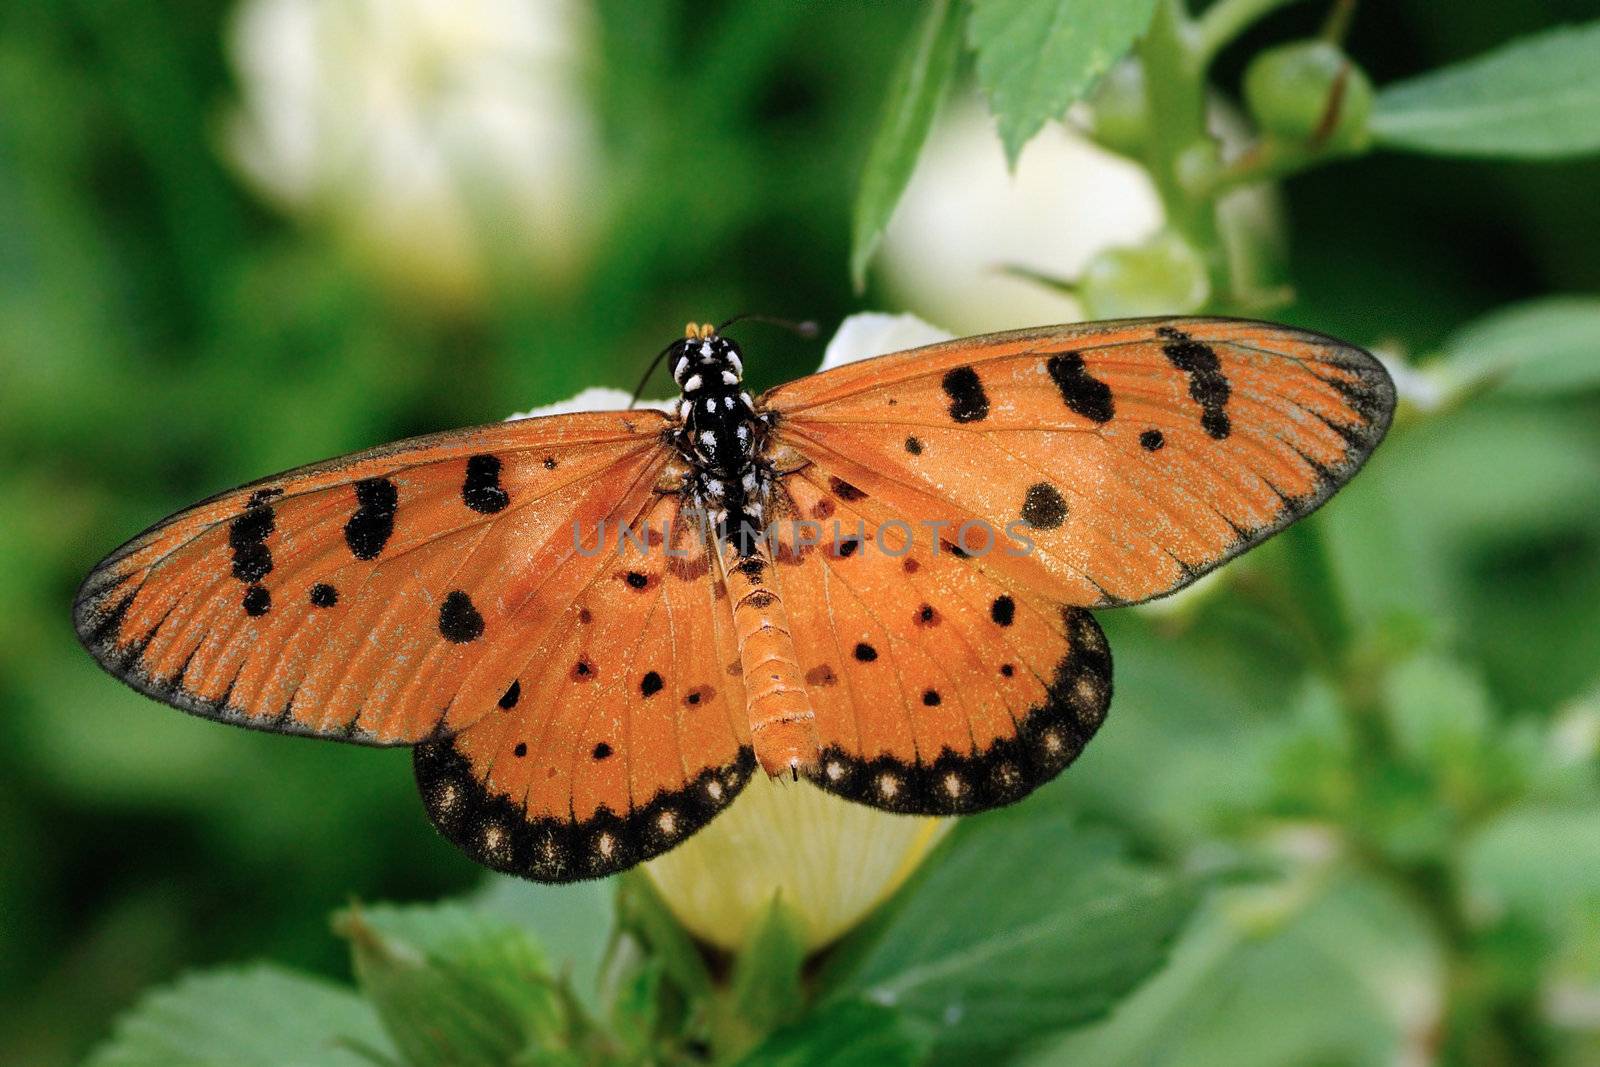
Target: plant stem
{"x": 1265, "y": 161}
{"x": 1178, "y": 142}
{"x": 1225, "y": 20}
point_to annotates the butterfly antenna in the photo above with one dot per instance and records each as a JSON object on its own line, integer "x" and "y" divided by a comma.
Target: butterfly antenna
{"x": 806, "y": 329}
{"x": 644, "y": 380}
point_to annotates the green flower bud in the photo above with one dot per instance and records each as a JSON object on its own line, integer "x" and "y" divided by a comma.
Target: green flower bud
{"x": 1117, "y": 108}
{"x": 1163, "y": 276}
{"x": 1291, "y": 88}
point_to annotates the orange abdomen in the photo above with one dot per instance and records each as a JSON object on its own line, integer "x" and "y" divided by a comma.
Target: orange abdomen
{"x": 782, "y": 721}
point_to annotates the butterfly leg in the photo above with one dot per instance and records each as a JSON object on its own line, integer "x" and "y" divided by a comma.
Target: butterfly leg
{"x": 783, "y": 726}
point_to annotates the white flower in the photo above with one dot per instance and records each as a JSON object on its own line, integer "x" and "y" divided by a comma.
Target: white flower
{"x": 438, "y": 138}
{"x": 968, "y": 231}
{"x": 964, "y": 218}
{"x": 830, "y": 860}
{"x": 594, "y": 398}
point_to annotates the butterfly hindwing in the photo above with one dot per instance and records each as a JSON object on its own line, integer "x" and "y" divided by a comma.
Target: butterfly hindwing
{"x": 938, "y": 688}
{"x": 382, "y": 598}
{"x": 628, "y": 730}
{"x": 1135, "y": 456}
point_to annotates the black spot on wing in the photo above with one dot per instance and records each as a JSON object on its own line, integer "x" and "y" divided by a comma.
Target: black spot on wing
{"x": 1152, "y": 440}
{"x": 324, "y": 595}
{"x": 1003, "y": 611}
{"x": 497, "y": 832}
{"x": 844, "y": 490}
{"x": 1049, "y": 737}
{"x": 954, "y": 549}
{"x": 1082, "y": 394}
{"x": 914, "y": 445}
{"x": 247, "y": 536}
{"x": 1043, "y": 507}
{"x": 370, "y": 528}
{"x": 459, "y": 620}
{"x": 865, "y": 653}
{"x": 968, "y": 401}
{"x": 601, "y": 751}
{"x": 650, "y": 684}
{"x": 512, "y": 694}
{"x": 1208, "y": 386}
{"x": 257, "y": 601}
{"x": 481, "y": 491}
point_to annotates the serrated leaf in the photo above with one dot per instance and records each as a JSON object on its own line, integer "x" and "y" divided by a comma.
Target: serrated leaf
{"x": 261, "y": 1016}
{"x": 915, "y": 93}
{"x": 1036, "y": 57}
{"x": 453, "y": 987}
{"x": 1550, "y": 345}
{"x": 1534, "y": 98}
{"x": 849, "y": 1033}
{"x": 1023, "y": 925}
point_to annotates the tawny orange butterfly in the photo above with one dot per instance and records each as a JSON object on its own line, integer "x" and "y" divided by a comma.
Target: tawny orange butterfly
{"x": 888, "y": 594}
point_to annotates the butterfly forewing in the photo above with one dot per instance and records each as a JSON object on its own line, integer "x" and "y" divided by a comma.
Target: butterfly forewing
{"x": 382, "y": 598}
{"x": 1133, "y": 456}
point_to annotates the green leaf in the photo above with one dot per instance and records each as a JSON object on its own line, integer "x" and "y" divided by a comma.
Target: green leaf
{"x": 1437, "y": 708}
{"x": 1023, "y": 925}
{"x": 1326, "y": 967}
{"x": 571, "y": 922}
{"x": 848, "y": 1033}
{"x": 636, "y": 1015}
{"x": 914, "y": 97}
{"x": 1550, "y": 345}
{"x": 1035, "y": 57}
{"x": 642, "y": 913}
{"x": 260, "y": 1016}
{"x": 1535, "y": 98}
{"x": 453, "y": 987}
{"x": 1541, "y": 863}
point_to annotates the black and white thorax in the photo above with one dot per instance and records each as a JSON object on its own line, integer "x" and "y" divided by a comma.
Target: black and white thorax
{"x": 720, "y": 435}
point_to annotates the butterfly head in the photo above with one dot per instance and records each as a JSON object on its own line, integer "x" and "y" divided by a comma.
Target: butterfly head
{"x": 705, "y": 362}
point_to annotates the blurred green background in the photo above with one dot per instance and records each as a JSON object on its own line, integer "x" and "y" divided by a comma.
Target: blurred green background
{"x": 183, "y": 309}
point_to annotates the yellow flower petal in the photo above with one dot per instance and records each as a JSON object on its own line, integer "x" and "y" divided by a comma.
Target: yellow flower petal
{"x": 830, "y": 860}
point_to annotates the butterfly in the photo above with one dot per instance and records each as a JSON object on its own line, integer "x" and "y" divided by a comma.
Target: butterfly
{"x": 594, "y": 628}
